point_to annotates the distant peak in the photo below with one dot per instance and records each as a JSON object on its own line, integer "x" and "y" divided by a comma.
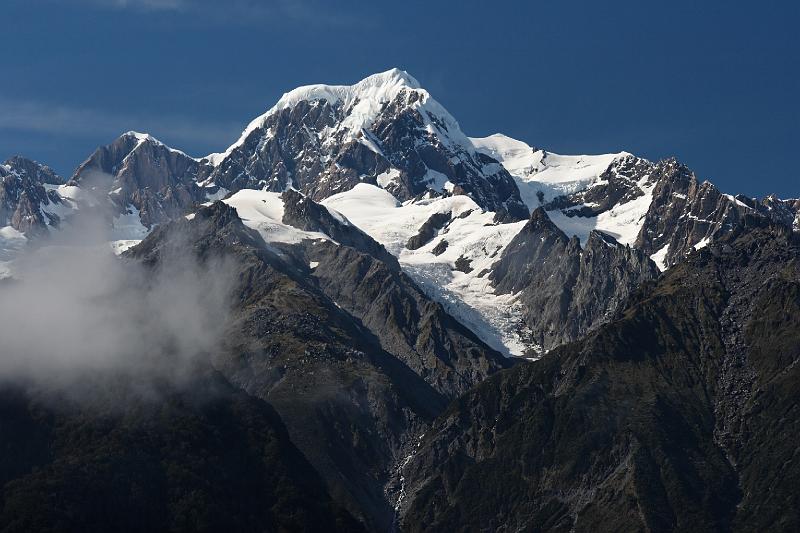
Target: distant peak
{"x": 16, "y": 160}
{"x": 147, "y": 138}
{"x": 392, "y": 76}
{"x": 368, "y": 95}
{"x": 141, "y": 136}
{"x": 380, "y": 86}
{"x": 501, "y": 146}
{"x": 23, "y": 166}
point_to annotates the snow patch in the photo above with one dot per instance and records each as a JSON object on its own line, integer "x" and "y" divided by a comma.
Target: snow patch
{"x": 11, "y": 243}
{"x": 471, "y": 235}
{"x": 623, "y": 221}
{"x": 703, "y": 243}
{"x": 221, "y": 193}
{"x": 387, "y": 178}
{"x": 436, "y": 180}
{"x": 76, "y": 196}
{"x": 660, "y": 258}
{"x": 127, "y": 230}
{"x": 263, "y": 212}
{"x": 121, "y": 246}
{"x": 539, "y": 171}
{"x": 146, "y": 137}
{"x": 738, "y": 202}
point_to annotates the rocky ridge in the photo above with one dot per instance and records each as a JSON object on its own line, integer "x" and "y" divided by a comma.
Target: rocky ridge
{"x": 567, "y": 290}
{"x": 345, "y": 347}
{"x": 671, "y": 417}
{"x": 332, "y": 143}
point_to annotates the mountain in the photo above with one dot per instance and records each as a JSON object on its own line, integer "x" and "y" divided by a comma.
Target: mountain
{"x": 686, "y": 214}
{"x": 344, "y": 346}
{"x": 140, "y": 172}
{"x": 394, "y": 162}
{"x": 32, "y": 170}
{"x": 389, "y": 277}
{"x": 567, "y": 290}
{"x": 26, "y": 203}
{"x": 661, "y": 208}
{"x": 29, "y": 207}
{"x": 542, "y": 175}
{"x": 384, "y": 130}
{"x": 677, "y": 415}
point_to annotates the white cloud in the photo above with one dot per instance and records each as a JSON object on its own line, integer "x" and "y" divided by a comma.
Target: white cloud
{"x": 43, "y": 117}
{"x": 145, "y": 5}
{"x": 75, "y": 309}
{"x": 316, "y": 12}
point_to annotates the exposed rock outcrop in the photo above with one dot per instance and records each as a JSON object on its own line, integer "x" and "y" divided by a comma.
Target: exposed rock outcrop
{"x": 567, "y": 291}
{"x": 677, "y": 415}
{"x": 137, "y": 170}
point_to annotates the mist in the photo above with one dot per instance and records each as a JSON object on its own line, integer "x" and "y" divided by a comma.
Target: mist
{"x": 75, "y": 310}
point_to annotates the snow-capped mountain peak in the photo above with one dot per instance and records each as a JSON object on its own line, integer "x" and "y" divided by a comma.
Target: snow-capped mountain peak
{"x": 361, "y": 103}
{"x": 140, "y": 136}
{"x": 542, "y": 175}
{"x": 382, "y": 166}
{"x": 502, "y": 147}
{"x": 381, "y": 87}
{"x": 146, "y": 138}
{"x": 385, "y": 130}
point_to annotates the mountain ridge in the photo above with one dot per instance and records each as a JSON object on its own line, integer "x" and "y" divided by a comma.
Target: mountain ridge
{"x": 438, "y": 333}
{"x": 331, "y": 142}
{"x": 659, "y": 420}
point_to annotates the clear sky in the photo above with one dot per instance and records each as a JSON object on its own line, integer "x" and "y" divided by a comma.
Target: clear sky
{"x": 715, "y": 83}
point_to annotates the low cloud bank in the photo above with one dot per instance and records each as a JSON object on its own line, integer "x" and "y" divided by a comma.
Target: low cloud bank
{"x": 74, "y": 309}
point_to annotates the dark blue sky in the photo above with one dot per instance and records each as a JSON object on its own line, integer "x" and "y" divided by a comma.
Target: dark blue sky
{"x": 714, "y": 83}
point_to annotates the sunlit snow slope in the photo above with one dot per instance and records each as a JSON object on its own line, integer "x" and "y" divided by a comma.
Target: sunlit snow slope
{"x": 543, "y": 176}
{"x": 471, "y": 237}
{"x": 537, "y": 170}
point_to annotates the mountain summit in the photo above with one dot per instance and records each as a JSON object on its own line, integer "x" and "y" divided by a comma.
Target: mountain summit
{"x": 384, "y": 130}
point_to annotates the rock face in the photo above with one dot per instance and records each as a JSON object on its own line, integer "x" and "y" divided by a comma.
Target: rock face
{"x": 676, "y": 212}
{"x": 685, "y": 214}
{"x": 682, "y": 213}
{"x": 25, "y": 204}
{"x": 35, "y": 171}
{"x": 140, "y": 171}
{"x": 660, "y": 208}
{"x": 303, "y": 213}
{"x": 366, "y": 281}
{"x": 349, "y": 351}
{"x": 674, "y": 416}
{"x": 384, "y": 130}
{"x": 406, "y": 323}
{"x": 626, "y": 179}
{"x": 428, "y": 230}
{"x": 567, "y": 290}
{"x": 785, "y": 212}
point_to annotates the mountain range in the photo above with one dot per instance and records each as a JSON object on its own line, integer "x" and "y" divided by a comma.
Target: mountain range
{"x": 427, "y": 331}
